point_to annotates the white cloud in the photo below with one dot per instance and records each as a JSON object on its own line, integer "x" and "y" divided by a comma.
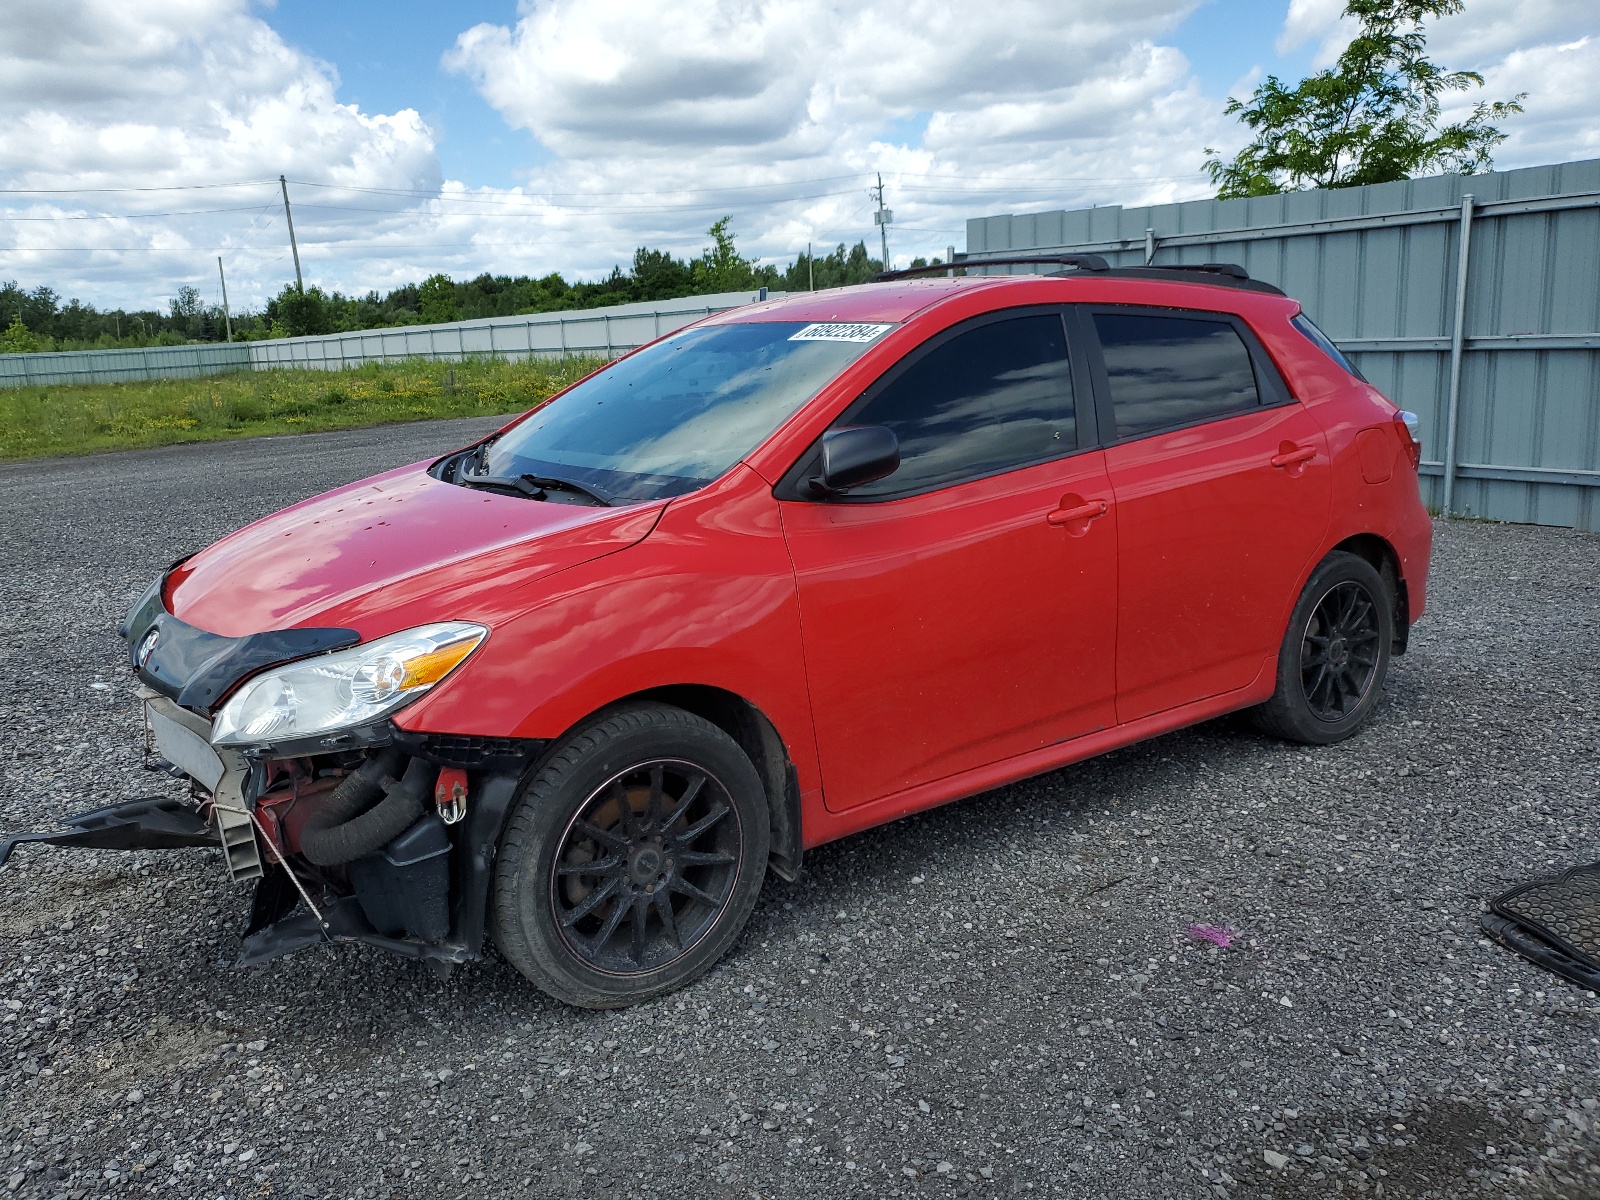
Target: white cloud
{"x": 112, "y": 94}
{"x": 658, "y": 116}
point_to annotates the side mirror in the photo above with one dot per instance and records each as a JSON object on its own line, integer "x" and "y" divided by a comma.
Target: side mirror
{"x": 856, "y": 455}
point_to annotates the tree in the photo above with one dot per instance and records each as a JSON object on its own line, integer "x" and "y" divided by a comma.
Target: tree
{"x": 18, "y": 339}
{"x": 301, "y": 314}
{"x": 436, "y": 300}
{"x": 1373, "y": 117}
{"x": 721, "y": 268}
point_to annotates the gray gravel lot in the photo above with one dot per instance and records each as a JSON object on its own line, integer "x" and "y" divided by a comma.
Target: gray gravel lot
{"x": 995, "y": 998}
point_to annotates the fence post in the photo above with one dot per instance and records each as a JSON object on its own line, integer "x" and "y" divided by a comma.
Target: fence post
{"x": 607, "y": 320}
{"x": 1457, "y": 344}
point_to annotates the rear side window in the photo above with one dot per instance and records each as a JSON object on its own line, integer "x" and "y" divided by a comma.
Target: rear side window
{"x": 1167, "y": 371}
{"x": 1324, "y": 343}
{"x": 989, "y": 399}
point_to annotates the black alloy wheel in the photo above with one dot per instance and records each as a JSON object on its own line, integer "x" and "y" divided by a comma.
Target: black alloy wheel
{"x": 646, "y": 867}
{"x": 1335, "y": 654}
{"x": 632, "y": 858}
{"x": 1339, "y": 653}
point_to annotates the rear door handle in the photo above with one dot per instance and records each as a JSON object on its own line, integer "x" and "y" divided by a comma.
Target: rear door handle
{"x": 1079, "y": 512}
{"x": 1293, "y": 458}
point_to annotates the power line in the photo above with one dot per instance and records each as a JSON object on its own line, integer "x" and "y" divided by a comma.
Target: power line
{"x": 175, "y": 187}
{"x": 193, "y": 212}
{"x": 732, "y": 187}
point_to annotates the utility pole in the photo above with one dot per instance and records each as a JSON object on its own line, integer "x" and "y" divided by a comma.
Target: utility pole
{"x": 811, "y": 270}
{"x": 299, "y": 283}
{"x": 881, "y": 219}
{"x": 226, "y": 318}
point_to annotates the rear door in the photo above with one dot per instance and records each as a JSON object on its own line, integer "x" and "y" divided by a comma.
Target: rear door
{"x": 1223, "y": 490}
{"x": 963, "y": 610}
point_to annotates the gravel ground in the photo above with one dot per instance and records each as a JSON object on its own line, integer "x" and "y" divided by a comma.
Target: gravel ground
{"x": 995, "y": 998}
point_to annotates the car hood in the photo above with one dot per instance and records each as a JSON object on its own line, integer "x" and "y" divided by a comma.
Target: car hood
{"x": 396, "y": 550}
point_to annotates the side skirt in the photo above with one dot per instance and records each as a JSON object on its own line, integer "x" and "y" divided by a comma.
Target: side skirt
{"x": 827, "y": 826}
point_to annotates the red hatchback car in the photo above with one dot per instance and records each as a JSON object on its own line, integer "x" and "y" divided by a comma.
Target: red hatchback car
{"x": 797, "y": 570}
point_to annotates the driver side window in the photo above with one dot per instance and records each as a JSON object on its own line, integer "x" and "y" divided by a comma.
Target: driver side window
{"x": 989, "y": 398}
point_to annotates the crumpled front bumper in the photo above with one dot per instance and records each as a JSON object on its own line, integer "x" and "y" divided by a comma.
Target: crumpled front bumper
{"x": 149, "y": 823}
{"x": 182, "y": 739}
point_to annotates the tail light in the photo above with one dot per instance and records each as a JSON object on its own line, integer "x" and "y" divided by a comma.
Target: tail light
{"x": 1409, "y": 426}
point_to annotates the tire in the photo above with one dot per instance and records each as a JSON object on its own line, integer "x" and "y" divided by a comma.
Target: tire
{"x": 649, "y": 810}
{"x": 1327, "y": 689}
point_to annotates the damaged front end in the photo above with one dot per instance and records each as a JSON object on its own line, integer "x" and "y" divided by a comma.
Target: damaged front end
{"x": 352, "y": 828}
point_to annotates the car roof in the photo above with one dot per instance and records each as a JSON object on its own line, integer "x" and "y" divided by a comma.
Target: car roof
{"x": 898, "y": 300}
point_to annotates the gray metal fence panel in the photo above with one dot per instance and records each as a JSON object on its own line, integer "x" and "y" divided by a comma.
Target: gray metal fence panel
{"x": 1377, "y": 267}
{"x": 116, "y": 366}
{"x": 603, "y": 331}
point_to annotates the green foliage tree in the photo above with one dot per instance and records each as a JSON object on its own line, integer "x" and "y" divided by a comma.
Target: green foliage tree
{"x": 436, "y": 300}
{"x": 301, "y": 313}
{"x": 17, "y": 338}
{"x": 1373, "y": 117}
{"x": 721, "y": 268}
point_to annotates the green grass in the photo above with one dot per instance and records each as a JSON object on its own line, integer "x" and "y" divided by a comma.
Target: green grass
{"x": 39, "y": 422}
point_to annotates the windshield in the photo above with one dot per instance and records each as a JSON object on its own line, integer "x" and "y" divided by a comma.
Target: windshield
{"x": 678, "y": 414}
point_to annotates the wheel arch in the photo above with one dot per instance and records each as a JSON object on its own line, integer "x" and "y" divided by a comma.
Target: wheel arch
{"x": 1385, "y": 560}
{"x": 758, "y": 737}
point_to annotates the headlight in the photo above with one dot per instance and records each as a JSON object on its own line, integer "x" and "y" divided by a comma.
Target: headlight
{"x": 346, "y": 689}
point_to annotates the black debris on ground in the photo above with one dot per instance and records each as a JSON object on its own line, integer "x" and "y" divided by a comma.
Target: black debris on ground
{"x": 998, "y": 998}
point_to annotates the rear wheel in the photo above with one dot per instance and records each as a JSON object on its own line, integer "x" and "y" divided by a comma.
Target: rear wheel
{"x": 633, "y": 858}
{"x": 1335, "y": 654}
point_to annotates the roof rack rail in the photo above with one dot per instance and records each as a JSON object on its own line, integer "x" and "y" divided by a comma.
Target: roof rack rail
{"x": 1222, "y": 275}
{"x": 1084, "y": 262}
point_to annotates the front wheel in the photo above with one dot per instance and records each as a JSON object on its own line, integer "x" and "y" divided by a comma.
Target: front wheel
{"x": 633, "y": 858}
{"x": 1335, "y": 654}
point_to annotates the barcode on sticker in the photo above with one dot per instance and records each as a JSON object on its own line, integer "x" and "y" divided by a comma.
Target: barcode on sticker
{"x": 838, "y": 332}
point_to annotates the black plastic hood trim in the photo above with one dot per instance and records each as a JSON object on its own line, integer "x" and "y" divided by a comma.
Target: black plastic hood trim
{"x": 197, "y": 668}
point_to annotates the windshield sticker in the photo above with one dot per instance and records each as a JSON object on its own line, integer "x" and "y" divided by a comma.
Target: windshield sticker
{"x": 835, "y": 332}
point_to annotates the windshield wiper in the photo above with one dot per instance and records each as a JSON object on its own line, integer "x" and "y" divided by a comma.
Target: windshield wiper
{"x": 534, "y": 486}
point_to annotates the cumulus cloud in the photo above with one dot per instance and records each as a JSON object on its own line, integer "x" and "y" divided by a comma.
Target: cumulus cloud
{"x": 117, "y": 95}
{"x": 1039, "y": 98}
{"x": 657, "y": 116}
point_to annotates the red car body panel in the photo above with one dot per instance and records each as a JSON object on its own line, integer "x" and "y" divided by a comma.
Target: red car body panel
{"x": 390, "y": 552}
{"x": 907, "y": 652}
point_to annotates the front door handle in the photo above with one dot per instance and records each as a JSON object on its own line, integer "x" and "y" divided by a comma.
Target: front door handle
{"x": 1292, "y": 456}
{"x": 1086, "y": 511}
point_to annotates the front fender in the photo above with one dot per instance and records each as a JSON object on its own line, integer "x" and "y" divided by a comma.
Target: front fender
{"x": 707, "y": 598}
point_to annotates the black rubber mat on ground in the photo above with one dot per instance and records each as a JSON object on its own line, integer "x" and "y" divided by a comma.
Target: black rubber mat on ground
{"x": 1553, "y": 922}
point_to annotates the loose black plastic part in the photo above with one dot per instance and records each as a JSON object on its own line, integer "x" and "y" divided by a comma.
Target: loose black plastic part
{"x": 1084, "y": 262}
{"x": 346, "y": 923}
{"x": 150, "y": 823}
{"x": 1518, "y": 937}
{"x": 405, "y": 887}
{"x": 197, "y": 668}
{"x": 856, "y": 455}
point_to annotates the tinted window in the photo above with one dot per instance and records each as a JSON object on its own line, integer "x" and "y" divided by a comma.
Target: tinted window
{"x": 1322, "y": 342}
{"x": 676, "y": 415}
{"x": 1167, "y": 371}
{"x": 992, "y": 398}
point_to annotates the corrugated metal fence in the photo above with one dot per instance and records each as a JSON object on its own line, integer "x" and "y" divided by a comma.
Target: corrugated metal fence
{"x": 1501, "y": 360}
{"x": 600, "y": 331}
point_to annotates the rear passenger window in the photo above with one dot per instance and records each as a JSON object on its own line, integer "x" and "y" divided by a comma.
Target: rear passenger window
{"x": 1167, "y": 371}
{"x": 995, "y": 397}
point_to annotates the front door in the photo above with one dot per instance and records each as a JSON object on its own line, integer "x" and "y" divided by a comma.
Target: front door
{"x": 963, "y": 610}
{"x": 1223, "y": 492}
